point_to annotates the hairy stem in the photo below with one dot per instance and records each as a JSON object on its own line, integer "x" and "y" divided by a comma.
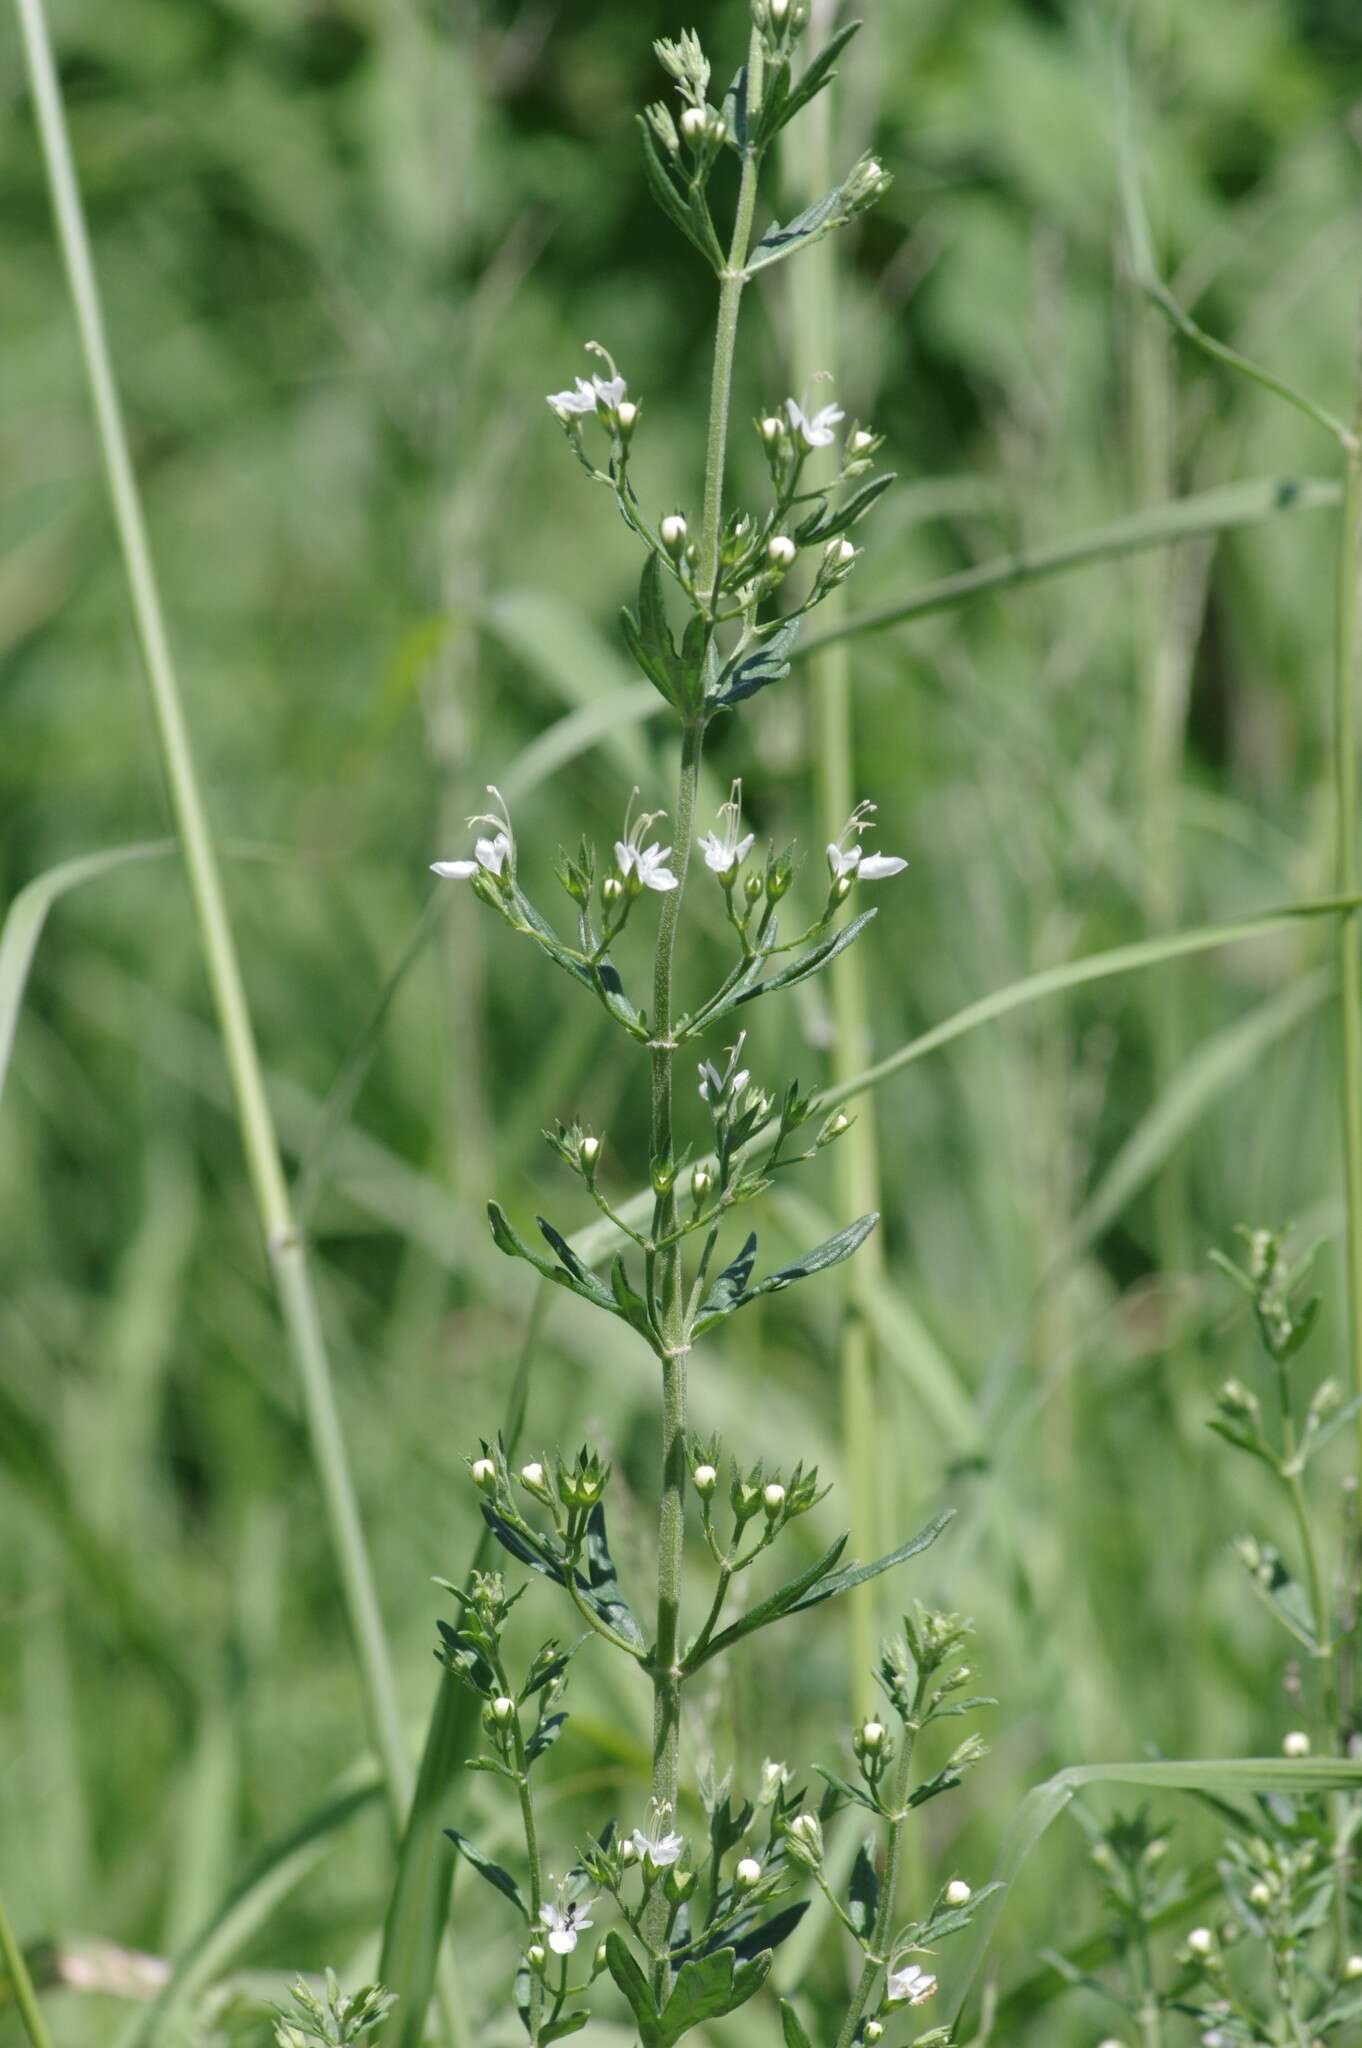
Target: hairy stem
{"x": 258, "y": 1137}
{"x": 876, "y": 1956}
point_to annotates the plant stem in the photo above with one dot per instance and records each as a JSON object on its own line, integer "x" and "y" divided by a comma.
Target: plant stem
{"x": 813, "y": 308}
{"x": 889, "y": 1877}
{"x": 1349, "y": 940}
{"x": 670, "y": 1277}
{"x": 25, "y": 1997}
{"x": 259, "y": 1141}
{"x": 536, "y": 1875}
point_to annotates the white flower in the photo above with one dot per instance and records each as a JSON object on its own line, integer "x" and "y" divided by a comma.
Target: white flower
{"x": 649, "y": 863}
{"x": 817, "y": 432}
{"x": 581, "y": 399}
{"x": 717, "y": 1088}
{"x": 661, "y": 1850}
{"x": 847, "y": 861}
{"x": 724, "y": 851}
{"x": 564, "y": 1923}
{"x": 609, "y": 392}
{"x": 911, "y": 1985}
{"x": 958, "y": 1892}
{"x": 1297, "y": 1743}
{"x": 495, "y": 853}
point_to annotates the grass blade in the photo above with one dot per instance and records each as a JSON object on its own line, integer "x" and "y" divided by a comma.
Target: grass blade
{"x": 25, "y": 1997}
{"x": 1044, "y": 1804}
{"x": 278, "y": 1869}
{"x": 260, "y": 1142}
{"x": 27, "y": 914}
{"x": 1215, "y": 511}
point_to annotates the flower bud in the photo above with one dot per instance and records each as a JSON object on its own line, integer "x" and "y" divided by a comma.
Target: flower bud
{"x": 1201, "y": 1942}
{"x": 806, "y": 1838}
{"x": 674, "y": 530}
{"x": 773, "y": 1498}
{"x": 503, "y": 1710}
{"x": 628, "y": 1854}
{"x": 694, "y": 123}
{"x": 599, "y": 1960}
{"x": 678, "y": 1884}
{"x": 958, "y": 1892}
{"x": 874, "y": 2030}
{"x": 532, "y": 1475}
{"x": 701, "y": 1181}
{"x": 662, "y": 1174}
{"x": 1260, "y": 1894}
{"x": 840, "y": 554}
{"x": 779, "y": 10}
{"x": 484, "y": 1475}
{"x": 780, "y": 551}
{"x": 862, "y": 442}
{"x": 534, "y": 1955}
{"x": 869, "y": 1739}
{"x": 1352, "y": 1969}
{"x": 626, "y": 417}
{"x": 747, "y": 1873}
{"x": 1297, "y": 1743}
{"x": 771, "y": 429}
{"x": 612, "y": 891}
{"x": 705, "y": 1479}
{"x": 752, "y": 888}
{"x": 589, "y": 1151}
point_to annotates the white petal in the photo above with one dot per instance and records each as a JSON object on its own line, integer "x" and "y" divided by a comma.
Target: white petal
{"x": 661, "y": 879}
{"x": 877, "y": 867}
{"x": 626, "y": 857}
{"x": 744, "y": 847}
{"x": 562, "y": 1941}
{"x": 454, "y": 870}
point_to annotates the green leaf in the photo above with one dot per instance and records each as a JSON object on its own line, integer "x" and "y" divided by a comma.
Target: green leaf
{"x": 859, "y": 1574}
{"x": 780, "y": 107}
{"x": 795, "y": 2037}
{"x": 570, "y": 2023}
{"x": 745, "y": 674}
{"x": 603, "y": 1586}
{"x": 826, "y": 521}
{"x": 809, "y": 226}
{"x": 1283, "y": 1597}
{"x": 855, "y": 1794}
{"x": 499, "y": 1879}
{"x": 619, "y": 1960}
{"x": 768, "y": 1934}
{"x": 663, "y": 188}
{"x": 707, "y": 1988}
{"x": 730, "y": 1293}
{"x": 863, "y": 1894}
{"x": 571, "y": 1274}
{"x": 807, "y": 963}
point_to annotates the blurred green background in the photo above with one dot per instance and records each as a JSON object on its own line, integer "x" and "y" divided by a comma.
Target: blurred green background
{"x": 346, "y": 248}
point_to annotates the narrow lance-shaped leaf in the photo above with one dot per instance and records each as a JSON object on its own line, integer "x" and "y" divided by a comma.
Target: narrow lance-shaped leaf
{"x": 500, "y": 1880}
{"x": 745, "y": 674}
{"x": 808, "y": 963}
{"x": 730, "y": 1291}
{"x": 663, "y": 189}
{"x": 779, "y": 109}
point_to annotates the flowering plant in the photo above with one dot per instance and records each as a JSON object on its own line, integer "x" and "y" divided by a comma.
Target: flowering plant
{"x": 694, "y": 1925}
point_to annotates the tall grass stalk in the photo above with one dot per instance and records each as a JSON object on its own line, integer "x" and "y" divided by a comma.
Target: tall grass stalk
{"x": 286, "y": 1250}
{"x": 815, "y": 350}
{"x": 21, "y": 1984}
{"x": 1349, "y": 941}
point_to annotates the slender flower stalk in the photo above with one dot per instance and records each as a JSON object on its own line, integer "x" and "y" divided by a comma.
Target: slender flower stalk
{"x": 284, "y": 1243}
